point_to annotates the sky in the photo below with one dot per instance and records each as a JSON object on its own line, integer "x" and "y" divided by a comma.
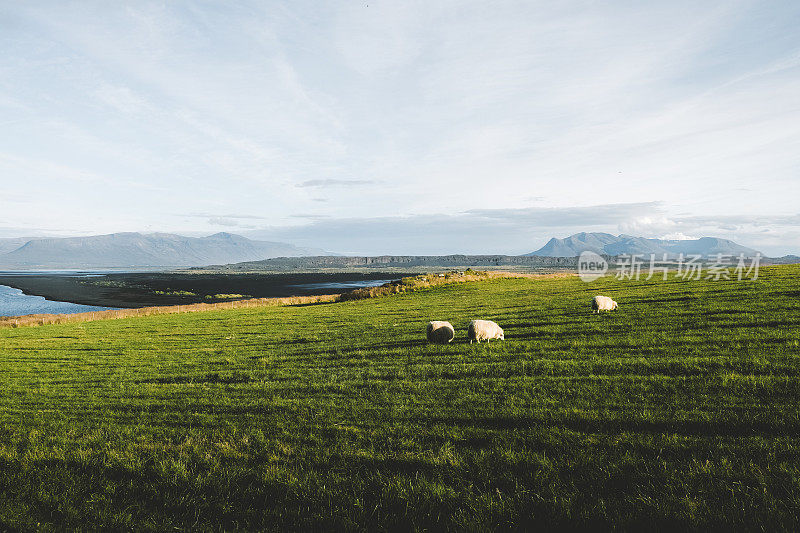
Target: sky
{"x": 379, "y": 127}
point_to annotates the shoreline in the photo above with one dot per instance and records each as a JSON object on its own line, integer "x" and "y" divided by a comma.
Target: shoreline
{"x": 113, "y": 314}
{"x": 407, "y": 284}
{"x": 148, "y": 289}
{"x": 127, "y": 298}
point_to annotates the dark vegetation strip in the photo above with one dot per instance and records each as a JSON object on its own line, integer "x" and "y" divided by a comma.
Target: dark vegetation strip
{"x": 407, "y": 284}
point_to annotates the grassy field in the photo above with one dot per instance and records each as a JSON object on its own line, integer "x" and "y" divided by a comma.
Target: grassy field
{"x": 680, "y": 410}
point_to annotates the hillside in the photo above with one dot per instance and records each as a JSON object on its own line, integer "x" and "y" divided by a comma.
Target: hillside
{"x": 407, "y": 262}
{"x": 786, "y": 260}
{"x": 137, "y": 250}
{"x": 677, "y": 412}
{"x": 607, "y": 244}
{"x": 9, "y": 245}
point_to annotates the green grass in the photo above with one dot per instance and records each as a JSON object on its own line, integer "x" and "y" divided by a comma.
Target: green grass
{"x": 679, "y": 411}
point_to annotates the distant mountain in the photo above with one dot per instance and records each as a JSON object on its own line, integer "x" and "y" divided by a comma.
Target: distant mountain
{"x": 607, "y": 244}
{"x": 9, "y": 245}
{"x": 137, "y": 250}
{"x": 785, "y": 260}
{"x": 396, "y": 263}
{"x": 595, "y": 242}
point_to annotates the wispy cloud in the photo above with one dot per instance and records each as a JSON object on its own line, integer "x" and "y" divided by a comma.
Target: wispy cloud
{"x": 218, "y": 221}
{"x": 509, "y": 231}
{"x": 593, "y": 215}
{"x": 231, "y": 216}
{"x": 310, "y": 216}
{"x": 772, "y": 234}
{"x": 330, "y": 182}
{"x": 229, "y": 220}
{"x": 516, "y": 231}
{"x": 469, "y": 110}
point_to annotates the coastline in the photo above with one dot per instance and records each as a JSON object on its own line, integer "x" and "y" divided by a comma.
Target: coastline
{"x": 147, "y": 289}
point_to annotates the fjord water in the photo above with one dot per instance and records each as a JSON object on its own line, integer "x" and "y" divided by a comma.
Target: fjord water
{"x": 341, "y": 285}
{"x": 14, "y": 303}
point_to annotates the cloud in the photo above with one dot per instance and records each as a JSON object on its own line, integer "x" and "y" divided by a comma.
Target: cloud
{"x": 655, "y": 223}
{"x": 584, "y": 216}
{"x": 471, "y": 110}
{"x": 122, "y": 99}
{"x": 15, "y": 232}
{"x": 707, "y": 224}
{"x": 229, "y": 220}
{"x": 310, "y": 216}
{"x": 522, "y": 230}
{"x": 32, "y": 170}
{"x": 507, "y": 231}
{"x": 772, "y": 234}
{"x": 229, "y": 216}
{"x": 740, "y": 220}
{"x": 334, "y": 183}
{"x": 677, "y": 237}
{"x": 218, "y": 221}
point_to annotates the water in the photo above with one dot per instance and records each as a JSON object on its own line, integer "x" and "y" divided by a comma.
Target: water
{"x": 67, "y": 273}
{"x": 14, "y": 303}
{"x": 340, "y": 285}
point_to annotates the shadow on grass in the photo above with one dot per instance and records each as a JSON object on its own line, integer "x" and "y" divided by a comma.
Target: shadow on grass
{"x": 763, "y": 324}
{"x": 346, "y": 493}
{"x": 688, "y": 427}
{"x": 356, "y": 494}
{"x": 61, "y": 492}
{"x": 212, "y": 377}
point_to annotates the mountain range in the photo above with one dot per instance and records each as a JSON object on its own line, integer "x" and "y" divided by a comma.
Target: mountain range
{"x": 137, "y": 250}
{"x": 607, "y": 244}
{"x": 167, "y": 250}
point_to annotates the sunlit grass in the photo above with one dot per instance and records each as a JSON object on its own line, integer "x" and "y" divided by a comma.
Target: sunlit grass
{"x": 679, "y": 410}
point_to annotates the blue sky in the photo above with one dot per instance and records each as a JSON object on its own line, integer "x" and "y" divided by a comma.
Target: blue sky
{"x": 402, "y": 127}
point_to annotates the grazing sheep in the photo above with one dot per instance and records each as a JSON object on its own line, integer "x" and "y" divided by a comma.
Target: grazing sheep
{"x": 480, "y": 330}
{"x": 603, "y": 303}
{"x": 440, "y": 331}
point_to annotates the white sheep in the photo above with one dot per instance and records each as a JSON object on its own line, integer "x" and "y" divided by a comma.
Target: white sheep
{"x": 603, "y": 303}
{"x": 480, "y": 330}
{"x": 440, "y": 331}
